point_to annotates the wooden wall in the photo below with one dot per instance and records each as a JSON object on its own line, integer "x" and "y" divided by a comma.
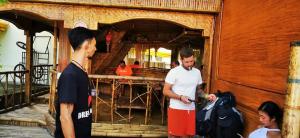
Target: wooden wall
{"x": 251, "y": 52}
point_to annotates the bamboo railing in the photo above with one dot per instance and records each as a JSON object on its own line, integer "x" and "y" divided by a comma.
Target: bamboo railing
{"x": 12, "y": 90}
{"x": 116, "y": 83}
{"x": 178, "y": 5}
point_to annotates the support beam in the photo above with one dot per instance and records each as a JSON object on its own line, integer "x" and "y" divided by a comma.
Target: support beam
{"x": 138, "y": 53}
{"x": 29, "y": 66}
{"x": 64, "y": 48}
{"x": 174, "y": 54}
{"x": 207, "y": 61}
{"x": 53, "y": 73}
{"x": 291, "y": 121}
{"x": 149, "y": 56}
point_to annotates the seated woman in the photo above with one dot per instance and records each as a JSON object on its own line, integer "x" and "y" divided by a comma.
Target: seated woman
{"x": 123, "y": 70}
{"x": 270, "y": 115}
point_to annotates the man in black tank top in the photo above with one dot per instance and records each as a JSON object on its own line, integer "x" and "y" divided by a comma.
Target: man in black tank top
{"x": 74, "y": 103}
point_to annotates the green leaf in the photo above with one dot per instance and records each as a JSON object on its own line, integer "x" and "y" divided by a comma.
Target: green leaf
{"x": 3, "y": 1}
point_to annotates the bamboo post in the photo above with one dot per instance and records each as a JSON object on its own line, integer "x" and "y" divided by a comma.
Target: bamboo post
{"x": 28, "y": 76}
{"x": 112, "y": 102}
{"x": 149, "y": 56}
{"x": 291, "y": 121}
{"x": 6, "y": 90}
{"x": 163, "y": 109}
{"x": 50, "y": 97}
{"x": 21, "y": 89}
{"x": 147, "y": 104}
{"x": 174, "y": 54}
{"x": 54, "y": 73}
{"x": 96, "y": 116}
{"x": 14, "y": 91}
{"x": 142, "y": 56}
{"x": 150, "y": 102}
{"x": 130, "y": 100}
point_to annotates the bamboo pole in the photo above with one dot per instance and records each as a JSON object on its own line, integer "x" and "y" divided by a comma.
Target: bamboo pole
{"x": 130, "y": 100}
{"x": 149, "y": 56}
{"x": 6, "y": 90}
{"x": 21, "y": 89}
{"x": 291, "y": 121}
{"x": 147, "y": 104}
{"x": 206, "y": 61}
{"x": 112, "y": 102}
{"x": 126, "y": 77}
{"x": 14, "y": 91}
{"x": 28, "y": 76}
{"x": 97, "y": 86}
{"x": 142, "y": 57}
{"x": 163, "y": 109}
{"x": 54, "y": 73}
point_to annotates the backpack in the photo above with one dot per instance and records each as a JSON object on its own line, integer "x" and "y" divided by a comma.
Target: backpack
{"x": 220, "y": 119}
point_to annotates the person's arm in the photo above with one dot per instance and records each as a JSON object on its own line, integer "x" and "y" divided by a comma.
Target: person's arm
{"x": 117, "y": 71}
{"x": 167, "y": 91}
{"x": 201, "y": 93}
{"x": 67, "y": 125}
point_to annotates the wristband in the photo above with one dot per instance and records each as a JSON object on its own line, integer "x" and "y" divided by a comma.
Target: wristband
{"x": 180, "y": 97}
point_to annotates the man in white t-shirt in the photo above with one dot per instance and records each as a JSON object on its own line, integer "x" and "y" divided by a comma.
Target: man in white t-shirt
{"x": 181, "y": 84}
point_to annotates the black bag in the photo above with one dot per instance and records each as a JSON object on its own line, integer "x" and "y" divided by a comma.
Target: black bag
{"x": 220, "y": 119}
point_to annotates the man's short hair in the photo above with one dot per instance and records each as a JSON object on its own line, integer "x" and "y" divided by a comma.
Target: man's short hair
{"x": 136, "y": 63}
{"x": 78, "y": 35}
{"x": 186, "y": 52}
{"x": 122, "y": 61}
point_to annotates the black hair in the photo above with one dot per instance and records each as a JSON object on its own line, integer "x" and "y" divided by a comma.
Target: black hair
{"x": 186, "y": 52}
{"x": 122, "y": 61}
{"x": 78, "y": 35}
{"x": 136, "y": 63}
{"x": 273, "y": 111}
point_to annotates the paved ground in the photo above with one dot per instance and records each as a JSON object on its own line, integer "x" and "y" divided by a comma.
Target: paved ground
{"x": 25, "y": 122}
{"x": 34, "y": 112}
{"x": 9, "y": 131}
{"x": 30, "y": 122}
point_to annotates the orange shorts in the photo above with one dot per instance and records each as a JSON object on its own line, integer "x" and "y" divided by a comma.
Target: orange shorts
{"x": 181, "y": 122}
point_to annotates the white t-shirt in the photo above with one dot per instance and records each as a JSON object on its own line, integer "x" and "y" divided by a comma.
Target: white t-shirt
{"x": 261, "y": 132}
{"x": 185, "y": 83}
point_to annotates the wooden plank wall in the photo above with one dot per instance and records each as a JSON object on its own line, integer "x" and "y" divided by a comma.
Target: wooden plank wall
{"x": 251, "y": 52}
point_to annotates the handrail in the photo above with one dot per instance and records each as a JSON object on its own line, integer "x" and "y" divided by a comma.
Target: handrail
{"x": 12, "y": 89}
{"x": 12, "y": 72}
{"x": 94, "y": 76}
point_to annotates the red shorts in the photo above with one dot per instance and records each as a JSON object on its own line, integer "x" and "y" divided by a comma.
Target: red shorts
{"x": 181, "y": 122}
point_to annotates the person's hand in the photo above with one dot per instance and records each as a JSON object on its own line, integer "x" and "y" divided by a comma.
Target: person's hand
{"x": 185, "y": 99}
{"x": 212, "y": 97}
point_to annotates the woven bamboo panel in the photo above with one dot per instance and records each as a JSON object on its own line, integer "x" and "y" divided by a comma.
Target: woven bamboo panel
{"x": 92, "y": 15}
{"x": 128, "y": 130}
{"x": 180, "y": 5}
